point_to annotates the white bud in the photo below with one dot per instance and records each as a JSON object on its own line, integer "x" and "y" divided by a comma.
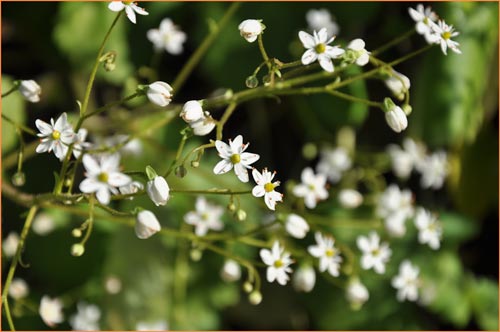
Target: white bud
{"x": 160, "y": 93}
{"x": 51, "y": 311}
{"x": 247, "y": 286}
{"x": 255, "y": 297}
{"x": 203, "y": 126}
{"x": 192, "y": 111}
{"x": 158, "y": 190}
{"x": 356, "y": 293}
{"x": 396, "y": 119}
{"x": 30, "y": 90}
{"x": 304, "y": 279}
{"x": 296, "y": 226}
{"x": 18, "y": 289}
{"x": 77, "y": 249}
{"x": 399, "y": 84}
{"x": 350, "y": 198}
{"x": 250, "y": 30}
{"x": 146, "y": 224}
{"x": 43, "y": 224}
{"x": 231, "y": 271}
{"x": 9, "y": 245}
{"x": 113, "y": 285}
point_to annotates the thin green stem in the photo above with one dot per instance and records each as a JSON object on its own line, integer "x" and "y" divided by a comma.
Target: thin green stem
{"x": 15, "y": 87}
{"x": 177, "y": 156}
{"x": 18, "y": 125}
{"x": 263, "y": 51}
{"x": 354, "y": 99}
{"x": 108, "y": 106}
{"x": 393, "y": 42}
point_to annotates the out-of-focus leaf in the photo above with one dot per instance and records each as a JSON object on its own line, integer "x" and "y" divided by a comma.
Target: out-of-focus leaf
{"x": 484, "y": 299}
{"x": 457, "y": 228}
{"x": 13, "y": 106}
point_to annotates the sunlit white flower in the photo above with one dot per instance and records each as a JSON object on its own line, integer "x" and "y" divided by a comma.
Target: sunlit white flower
{"x": 398, "y": 83}
{"x": 407, "y": 282}
{"x": 160, "y": 325}
{"x": 18, "y": 289}
{"x": 333, "y": 162}
{"x": 192, "y": 111}
{"x": 79, "y": 143}
{"x": 167, "y": 37}
{"x": 9, "y": 245}
{"x": 375, "y": 254}
{"x": 444, "y": 33}
{"x": 158, "y": 190}
{"x": 357, "y": 50}
{"x": 318, "y": 49}
{"x": 434, "y": 170}
{"x": 113, "y": 285}
{"x": 43, "y": 224}
{"x": 396, "y": 119}
{"x": 234, "y": 155}
{"x": 86, "y": 318}
{"x": 405, "y": 159}
{"x": 251, "y": 29}
{"x": 304, "y": 279}
{"x": 350, "y": 198}
{"x": 265, "y": 187}
{"x": 321, "y": 18}
{"x": 424, "y": 19}
{"x": 278, "y": 262}
{"x": 296, "y": 226}
{"x": 55, "y": 136}
{"x": 231, "y": 271}
{"x": 329, "y": 256}
{"x": 203, "y": 126}
{"x": 312, "y": 188}
{"x": 130, "y": 9}
{"x": 30, "y": 90}
{"x": 51, "y": 311}
{"x": 429, "y": 228}
{"x": 160, "y": 93}
{"x": 206, "y": 217}
{"x": 395, "y": 207}
{"x": 356, "y": 293}
{"x": 126, "y": 144}
{"x": 146, "y": 225}
{"x": 131, "y": 188}
{"x": 103, "y": 176}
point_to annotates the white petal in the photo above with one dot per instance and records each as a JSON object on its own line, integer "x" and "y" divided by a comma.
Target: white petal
{"x": 266, "y": 256}
{"x": 139, "y": 10}
{"x": 110, "y": 163}
{"x": 130, "y": 14}
{"x": 116, "y": 6}
{"x": 258, "y": 191}
{"x": 334, "y": 51}
{"x": 271, "y": 274}
{"x": 91, "y": 165}
{"x": 363, "y": 244}
{"x": 309, "y": 56}
{"x": 271, "y": 204}
{"x": 306, "y": 39}
{"x": 89, "y": 186}
{"x": 241, "y": 172}
{"x": 44, "y": 127}
{"x": 315, "y": 251}
{"x": 43, "y": 146}
{"x": 223, "y": 166}
{"x": 357, "y": 44}
{"x": 326, "y": 63}
{"x": 323, "y": 36}
{"x": 103, "y": 195}
{"x": 223, "y": 149}
{"x": 249, "y": 158}
{"x": 236, "y": 144}
{"x": 117, "y": 179}
{"x": 257, "y": 177}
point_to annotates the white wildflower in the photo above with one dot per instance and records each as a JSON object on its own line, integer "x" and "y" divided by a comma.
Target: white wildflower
{"x": 304, "y": 279}
{"x": 158, "y": 190}
{"x": 356, "y": 49}
{"x": 312, "y": 188}
{"x": 434, "y": 170}
{"x": 356, "y": 293}
{"x": 278, "y": 262}
{"x": 321, "y": 18}
{"x": 444, "y": 33}
{"x": 395, "y": 207}
{"x": 334, "y": 162}
{"x": 375, "y": 254}
{"x": 231, "y": 271}
{"x": 130, "y": 9}
{"x": 206, "y": 217}
{"x": 429, "y": 228}
{"x": 55, "y": 136}
{"x": 329, "y": 256}
{"x": 318, "y": 49}
{"x": 234, "y": 155}
{"x": 350, "y": 198}
{"x": 9, "y": 245}
{"x": 407, "y": 282}
{"x": 146, "y": 225}
{"x": 251, "y": 29}
{"x": 167, "y": 37}
{"x": 86, "y": 318}
{"x": 18, "y": 289}
{"x": 265, "y": 187}
{"x": 43, "y": 224}
{"x": 51, "y": 311}
{"x": 159, "y": 93}
{"x": 296, "y": 226}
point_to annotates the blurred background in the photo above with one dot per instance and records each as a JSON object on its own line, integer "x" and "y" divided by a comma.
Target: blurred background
{"x": 455, "y": 108}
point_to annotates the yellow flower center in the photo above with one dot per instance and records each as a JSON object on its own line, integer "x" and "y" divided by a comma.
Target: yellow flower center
{"x": 446, "y": 35}
{"x": 56, "y": 135}
{"x": 426, "y": 21}
{"x": 278, "y": 263}
{"x": 235, "y": 158}
{"x": 330, "y": 252}
{"x": 103, "y": 177}
{"x": 375, "y": 252}
{"x": 268, "y": 187}
{"x": 320, "y": 48}
{"x": 204, "y": 216}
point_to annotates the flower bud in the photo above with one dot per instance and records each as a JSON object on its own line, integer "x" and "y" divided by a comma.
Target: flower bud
{"x": 296, "y": 226}
{"x": 251, "y": 29}
{"x": 159, "y": 93}
{"x": 350, "y": 198}
{"x": 196, "y": 254}
{"x": 231, "y": 271}
{"x": 18, "y": 289}
{"x": 255, "y": 297}
{"x": 192, "y": 111}
{"x": 304, "y": 279}
{"x": 356, "y": 293}
{"x": 146, "y": 224}
{"x": 407, "y": 109}
{"x": 30, "y": 90}
{"x": 77, "y": 249}
{"x": 241, "y": 215}
{"x": 180, "y": 171}
{"x": 398, "y": 83}
{"x": 158, "y": 190}
{"x": 396, "y": 119}
{"x": 247, "y": 286}
{"x": 251, "y": 82}
{"x": 77, "y": 232}
{"x": 18, "y": 179}
{"x": 203, "y": 126}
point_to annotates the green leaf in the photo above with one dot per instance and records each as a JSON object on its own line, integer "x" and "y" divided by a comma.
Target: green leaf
{"x": 484, "y": 299}
{"x": 13, "y": 106}
{"x": 457, "y": 228}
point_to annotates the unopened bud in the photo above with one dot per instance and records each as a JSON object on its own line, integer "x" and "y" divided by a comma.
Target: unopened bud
{"x": 18, "y": 179}
{"x": 76, "y": 232}
{"x": 251, "y": 82}
{"x": 77, "y": 249}
{"x": 241, "y": 215}
{"x": 231, "y": 207}
{"x": 407, "y": 109}
{"x": 255, "y": 297}
{"x": 247, "y": 287}
{"x": 180, "y": 171}
{"x": 196, "y": 255}
{"x": 195, "y": 164}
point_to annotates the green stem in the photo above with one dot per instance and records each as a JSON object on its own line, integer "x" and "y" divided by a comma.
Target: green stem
{"x": 14, "y": 88}
{"x": 106, "y": 107}
{"x": 393, "y": 42}
{"x": 18, "y": 125}
{"x": 355, "y": 99}
{"x": 212, "y": 192}
{"x": 177, "y": 156}
{"x": 263, "y": 51}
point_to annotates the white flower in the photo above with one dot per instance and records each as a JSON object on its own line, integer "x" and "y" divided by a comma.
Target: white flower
{"x": 444, "y": 33}
{"x": 434, "y": 170}
{"x": 9, "y": 245}
{"x": 192, "y": 111}
{"x": 356, "y": 293}
{"x": 296, "y": 226}
{"x": 43, "y": 224}
{"x": 350, "y": 198}
{"x": 333, "y": 162}
{"x": 398, "y": 83}
{"x": 146, "y": 224}
{"x": 113, "y": 285}
{"x": 329, "y": 258}
{"x": 360, "y": 54}
{"x": 396, "y": 119}
{"x": 51, "y": 311}
{"x": 318, "y": 49}
{"x": 159, "y": 93}
{"x": 160, "y": 325}
{"x": 251, "y": 29}
{"x": 79, "y": 142}
{"x": 234, "y": 155}
{"x": 158, "y": 190}
{"x": 206, "y": 217}
{"x": 407, "y": 282}
{"x": 424, "y": 19}
{"x": 265, "y": 187}
{"x": 321, "y": 18}
{"x": 103, "y": 176}
{"x": 55, "y": 136}
{"x": 304, "y": 279}
{"x": 312, "y": 188}
{"x": 203, "y": 126}
{"x": 375, "y": 254}
{"x": 168, "y": 37}
{"x": 231, "y": 271}
{"x": 404, "y": 160}
{"x": 278, "y": 262}
{"x": 86, "y": 318}
{"x": 130, "y": 9}
{"x": 395, "y": 206}
{"x": 30, "y": 90}
{"x": 18, "y": 289}
{"x": 131, "y": 188}
{"x": 429, "y": 229}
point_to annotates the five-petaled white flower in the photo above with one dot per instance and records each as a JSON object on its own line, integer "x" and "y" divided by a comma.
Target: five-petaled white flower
{"x": 407, "y": 282}
{"x": 395, "y": 206}
{"x": 251, "y": 29}
{"x": 424, "y": 19}
{"x": 168, "y": 37}
{"x": 86, "y": 318}
{"x": 434, "y": 170}
{"x": 234, "y": 155}
{"x": 206, "y": 217}
{"x": 130, "y": 9}
{"x": 405, "y": 159}
{"x": 55, "y": 136}
{"x": 321, "y": 18}
{"x": 375, "y": 254}
{"x": 160, "y": 93}
{"x": 333, "y": 162}
{"x": 265, "y": 187}
{"x": 429, "y": 228}
{"x": 444, "y": 33}
{"x": 358, "y": 52}
{"x": 51, "y": 311}
{"x": 278, "y": 262}
{"x": 296, "y": 226}
{"x": 318, "y": 49}
{"x": 312, "y": 188}
{"x": 30, "y": 90}
{"x": 103, "y": 176}
{"x": 329, "y": 258}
